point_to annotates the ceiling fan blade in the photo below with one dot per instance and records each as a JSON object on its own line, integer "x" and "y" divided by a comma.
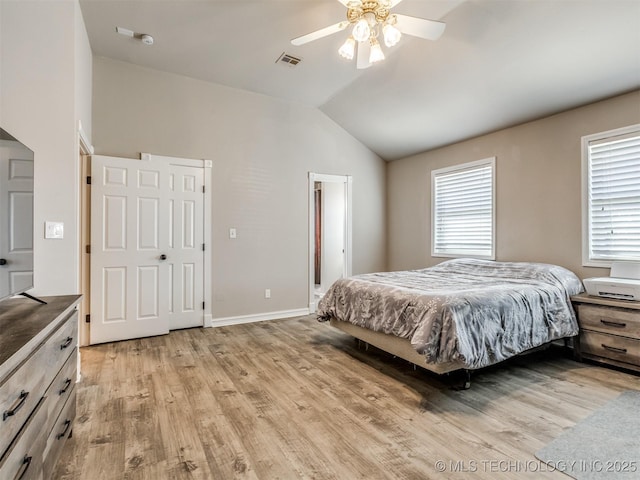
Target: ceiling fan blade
{"x": 420, "y": 27}
{"x": 364, "y": 50}
{"x": 323, "y": 32}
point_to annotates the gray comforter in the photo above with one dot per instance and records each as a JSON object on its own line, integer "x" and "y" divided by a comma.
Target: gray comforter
{"x": 478, "y": 312}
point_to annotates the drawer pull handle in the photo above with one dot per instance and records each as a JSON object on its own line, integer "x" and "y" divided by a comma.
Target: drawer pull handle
{"x": 609, "y": 323}
{"x": 16, "y": 406}
{"x": 614, "y": 349}
{"x": 67, "y": 424}
{"x": 63, "y": 390}
{"x": 26, "y": 462}
{"x": 66, "y": 343}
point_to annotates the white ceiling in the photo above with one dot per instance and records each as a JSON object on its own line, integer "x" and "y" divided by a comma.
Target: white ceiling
{"x": 498, "y": 63}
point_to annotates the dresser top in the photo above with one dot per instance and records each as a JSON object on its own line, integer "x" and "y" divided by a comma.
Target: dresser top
{"x": 605, "y": 302}
{"x": 25, "y": 323}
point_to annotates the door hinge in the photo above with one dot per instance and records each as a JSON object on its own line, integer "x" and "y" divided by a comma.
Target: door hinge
{"x": 87, "y": 318}
{"x": 203, "y": 305}
{"x": 87, "y": 249}
{"x": 89, "y": 180}
{"x": 202, "y": 188}
{"x": 203, "y": 247}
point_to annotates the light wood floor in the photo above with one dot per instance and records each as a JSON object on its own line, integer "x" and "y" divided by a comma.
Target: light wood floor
{"x": 296, "y": 399}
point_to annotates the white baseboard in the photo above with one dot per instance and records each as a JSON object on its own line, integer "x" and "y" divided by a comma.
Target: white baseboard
{"x": 208, "y": 318}
{"x": 257, "y": 317}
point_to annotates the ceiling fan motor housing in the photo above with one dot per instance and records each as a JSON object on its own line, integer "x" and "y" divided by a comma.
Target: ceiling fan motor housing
{"x": 376, "y": 9}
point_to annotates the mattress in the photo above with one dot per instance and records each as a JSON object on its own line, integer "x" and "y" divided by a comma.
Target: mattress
{"x": 469, "y": 311}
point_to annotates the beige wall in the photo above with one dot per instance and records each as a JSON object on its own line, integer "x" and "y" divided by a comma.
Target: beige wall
{"x": 44, "y": 54}
{"x": 538, "y": 177}
{"x": 83, "y": 73}
{"x": 262, "y": 150}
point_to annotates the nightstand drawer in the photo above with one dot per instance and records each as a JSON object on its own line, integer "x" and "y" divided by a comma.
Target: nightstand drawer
{"x": 612, "y": 320}
{"x": 622, "y": 349}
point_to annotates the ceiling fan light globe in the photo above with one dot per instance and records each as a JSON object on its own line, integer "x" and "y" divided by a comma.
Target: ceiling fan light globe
{"x": 348, "y": 48}
{"x": 391, "y": 35}
{"x": 376, "y": 55}
{"x": 361, "y": 30}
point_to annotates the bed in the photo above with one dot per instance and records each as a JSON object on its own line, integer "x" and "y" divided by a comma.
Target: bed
{"x": 460, "y": 314}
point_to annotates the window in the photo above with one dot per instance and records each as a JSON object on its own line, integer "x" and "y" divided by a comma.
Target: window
{"x": 463, "y": 210}
{"x": 611, "y": 196}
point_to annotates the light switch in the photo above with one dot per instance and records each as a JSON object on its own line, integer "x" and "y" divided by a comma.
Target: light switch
{"x": 232, "y": 233}
{"x": 53, "y": 230}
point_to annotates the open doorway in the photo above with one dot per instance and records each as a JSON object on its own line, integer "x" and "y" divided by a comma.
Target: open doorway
{"x": 329, "y": 232}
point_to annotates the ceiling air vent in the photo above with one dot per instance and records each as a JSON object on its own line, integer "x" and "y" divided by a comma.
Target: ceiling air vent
{"x": 288, "y": 60}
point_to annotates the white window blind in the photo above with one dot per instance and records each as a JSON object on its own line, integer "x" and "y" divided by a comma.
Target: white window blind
{"x": 613, "y": 185}
{"x": 463, "y": 210}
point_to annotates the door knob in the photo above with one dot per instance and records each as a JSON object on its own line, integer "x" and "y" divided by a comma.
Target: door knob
{"x": 163, "y": 257}
{"x": 3, "y": 261}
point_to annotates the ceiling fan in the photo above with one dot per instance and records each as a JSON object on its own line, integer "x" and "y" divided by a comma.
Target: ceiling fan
{"x": 370, "y": 19}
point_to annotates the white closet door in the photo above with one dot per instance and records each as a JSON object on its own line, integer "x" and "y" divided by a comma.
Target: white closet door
{"x": 129, "y": 241}
{"x": 186, "y": 240}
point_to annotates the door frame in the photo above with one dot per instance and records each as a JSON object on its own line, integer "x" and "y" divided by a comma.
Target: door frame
{"x": 207, "y": 166}
{"x": 347, "y": 180}
{"x": 83, "y": 227}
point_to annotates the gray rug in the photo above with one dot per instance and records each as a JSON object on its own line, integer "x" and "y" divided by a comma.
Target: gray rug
{"x": 605, "y": 445}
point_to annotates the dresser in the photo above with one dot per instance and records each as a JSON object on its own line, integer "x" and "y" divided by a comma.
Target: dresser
{"x": 609, "y": 331}
{"x": 38, "y": 369}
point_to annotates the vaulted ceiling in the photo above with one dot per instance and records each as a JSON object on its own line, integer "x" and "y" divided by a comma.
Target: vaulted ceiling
{"x": 498, "y": 63}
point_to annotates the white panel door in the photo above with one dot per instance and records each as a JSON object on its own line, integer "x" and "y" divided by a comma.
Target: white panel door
{"x": 129, "y": 244}
{"x": 186, "y": 239}
{"x": 16, "y": 219}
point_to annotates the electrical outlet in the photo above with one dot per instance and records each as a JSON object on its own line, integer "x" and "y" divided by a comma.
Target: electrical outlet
{"x": 232, "y": 233}
{"x": 267, "y": 293}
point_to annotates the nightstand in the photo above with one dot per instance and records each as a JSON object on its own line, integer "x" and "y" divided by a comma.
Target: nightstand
{"x": 609, "y": 331}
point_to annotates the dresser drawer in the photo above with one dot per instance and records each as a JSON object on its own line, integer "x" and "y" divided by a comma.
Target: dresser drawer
{"x": 60, "y": 389}
{"x": 24, "y": 459}
{"x": 61, "y": 431}
{"x": 19, "y": 395}
{"x": 612, "y": 320}
{"x": 60, "y": 346}
{"x": 622, "y": 349}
